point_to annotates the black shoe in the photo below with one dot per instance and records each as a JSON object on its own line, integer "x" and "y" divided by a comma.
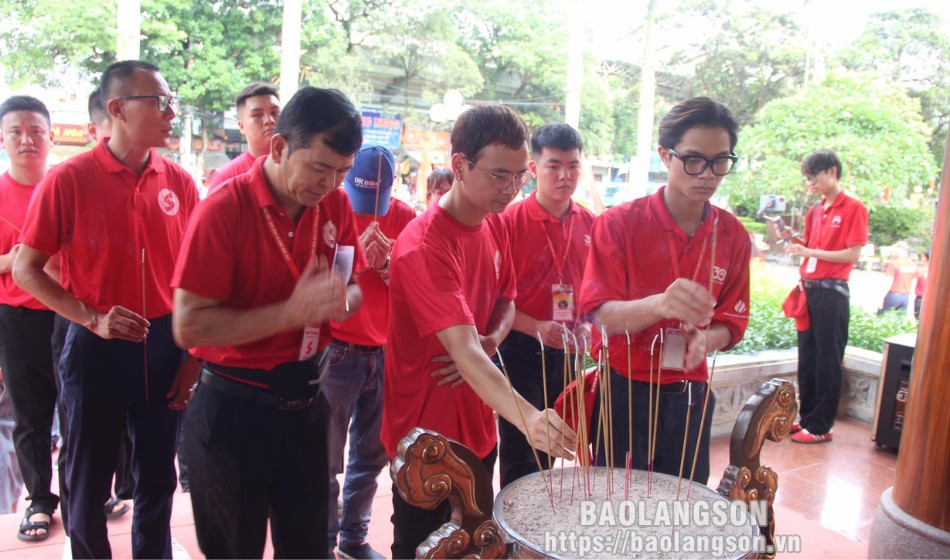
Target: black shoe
{"x": 115, "y": 508}
{"x": 361, "y": 551}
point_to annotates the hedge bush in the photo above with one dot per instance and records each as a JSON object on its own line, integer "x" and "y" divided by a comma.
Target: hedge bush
{"x": 769, "y": 329}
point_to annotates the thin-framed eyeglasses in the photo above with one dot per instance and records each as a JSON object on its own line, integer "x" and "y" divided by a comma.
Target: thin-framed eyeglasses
{"x": 501, "y": 181}
{"x": 697, "y": 165}
{"x": 164, "y": 101}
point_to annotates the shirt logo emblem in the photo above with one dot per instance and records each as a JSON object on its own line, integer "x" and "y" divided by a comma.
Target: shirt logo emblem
{"x": 329, "y": 234}
{"x": 587, "y": 240}
{"x": 168, "y": 202}
{"x": 741, "y": 307}
{"x": 836, "y": 221}
{"x": 719, "y": 274}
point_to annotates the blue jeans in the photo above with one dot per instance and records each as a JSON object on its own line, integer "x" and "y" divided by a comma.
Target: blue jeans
{"x": 353, "y": 387}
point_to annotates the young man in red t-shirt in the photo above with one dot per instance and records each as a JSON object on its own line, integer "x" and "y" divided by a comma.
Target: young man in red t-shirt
{"x": 451, "y": 303}
{"x": 670, "y": 265}
{"x": 353, "y": 385}
{"x": 266, "y": 263}
{"x": 116, "y": 215}
{"x": 26, "y": 325}
{"x": 836, "y": 229}
{"x": 258, "y": 107}
{"x": 550, "y": 237}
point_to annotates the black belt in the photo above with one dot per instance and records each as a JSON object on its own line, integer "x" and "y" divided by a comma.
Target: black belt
{"x": 839, "y": 286}
{"x": 359, "y": 348}
{"x": 248, "y": 393}
{"x": 674, "y": 387}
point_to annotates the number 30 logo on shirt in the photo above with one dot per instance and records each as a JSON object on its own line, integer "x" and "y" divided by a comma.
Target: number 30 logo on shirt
{"x": 168, "y": 202}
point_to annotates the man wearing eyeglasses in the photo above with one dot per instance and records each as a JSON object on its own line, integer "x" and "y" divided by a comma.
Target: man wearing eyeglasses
{"x": 452, "y": 284}
{"x": 671, "y": 271}
{"x": 836, "y": 229}
{"x": 258, "y": 107}
{"x": 116, "y": 215}
{"x": 550, "y": 237}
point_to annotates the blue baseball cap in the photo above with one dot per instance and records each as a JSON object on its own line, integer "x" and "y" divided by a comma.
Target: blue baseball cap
{"x": 373, "y": 170}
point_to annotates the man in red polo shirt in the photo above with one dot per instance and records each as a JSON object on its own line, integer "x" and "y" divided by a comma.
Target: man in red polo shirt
{"x": 836, "y": 229}
{"x": 550, "y": 237}
{"x": 26, "y": 325}
{"x": 254, "y": 293}
{"x": 258, "y": 107}
{"x": 671, "y": 265}
{"x": 116, "y": 215}
{"x": 354, "y": 382}
{"x": 452, "y": 290}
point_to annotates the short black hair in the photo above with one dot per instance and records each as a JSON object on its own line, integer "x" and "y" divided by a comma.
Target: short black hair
{"x": 97, "y": 108}
{"x": 25, "y": 103}
{"x": 695, "y": 112}
{"x": 821, "y": 160}
{"x": 485, "y": 125}
{"x": 440, "y": 175}
{"x": 253, "y": 90}
{"x": 560, "y": 136}
{"x": 118, "y": 75}
{"x": 313, "y": 111}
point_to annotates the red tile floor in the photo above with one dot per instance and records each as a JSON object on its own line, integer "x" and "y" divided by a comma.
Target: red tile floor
{"x": 828, "y": 495}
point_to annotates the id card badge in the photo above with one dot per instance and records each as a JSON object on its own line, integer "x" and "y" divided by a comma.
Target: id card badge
{"x": 311, "y": 339}
{"x": 674, "y": 349}
{"x": 563, "y": 306}
{"x": 811, "y": 265}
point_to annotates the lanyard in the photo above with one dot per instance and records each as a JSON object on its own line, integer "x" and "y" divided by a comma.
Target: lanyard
{"x": 674, "y": 257}
{"x": 559, "y": 263}
{"x": 284, "y": 251}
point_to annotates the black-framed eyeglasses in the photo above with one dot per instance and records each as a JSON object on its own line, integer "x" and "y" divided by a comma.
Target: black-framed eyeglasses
{"x": 164, "y": 101}
{"x": 501, "y": 181}
{"x": 697, "y": 165}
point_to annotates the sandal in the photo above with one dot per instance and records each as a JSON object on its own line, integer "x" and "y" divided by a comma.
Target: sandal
{"x": 115, "y": 508}
{"x": 27, "y": 525}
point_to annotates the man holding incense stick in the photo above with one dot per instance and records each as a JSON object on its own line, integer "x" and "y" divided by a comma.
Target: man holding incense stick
{"x": 353, "y": 385}
{"x": 266, "y": 263}
{"x": 452, "y": 288}
{"x": 550, "y": 237}
{"x": 671, "y": 271}
{"x": 116, "y": 216}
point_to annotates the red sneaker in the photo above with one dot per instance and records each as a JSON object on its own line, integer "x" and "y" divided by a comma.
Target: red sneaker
{"x": 805, "y": 436}
{"x": 796, "y": 427}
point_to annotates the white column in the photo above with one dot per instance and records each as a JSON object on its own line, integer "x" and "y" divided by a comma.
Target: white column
{"x": 290, "y": 50}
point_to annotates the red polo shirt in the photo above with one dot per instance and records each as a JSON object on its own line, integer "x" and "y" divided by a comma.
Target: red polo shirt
{"x": 237, "y": 166}
{"x": 546, "y": 250}
{"x": 369, "y": 325}
{"x": 14, "y": 200}
{"x": 104, "y": 220}
{"x": 842, "y": 225}
{"x": 444, "y": 274}
{"x": 229, "y": 255}
{"x": 637, "y": 250}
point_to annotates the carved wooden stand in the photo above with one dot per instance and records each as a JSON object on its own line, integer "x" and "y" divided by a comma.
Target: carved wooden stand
{"x": 430, "y": 468}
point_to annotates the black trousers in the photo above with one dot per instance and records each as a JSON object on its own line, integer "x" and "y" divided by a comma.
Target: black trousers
{"x": 820, "y": 354}
{"x": 29, "y": 377}
{"x": 249, "y": 462}
{"x": 413, "y": 525}
{"x": 522, "y": 355}
{"x": 669, "y": 431}
{"x": 110, "y": 386}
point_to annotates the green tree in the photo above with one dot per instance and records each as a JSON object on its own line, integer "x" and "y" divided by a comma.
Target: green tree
{"x": 47, "y": 42}
{"x": 874, "y": 126}
{"x": 910, "y": 48}
{"x": 754, "y": 56}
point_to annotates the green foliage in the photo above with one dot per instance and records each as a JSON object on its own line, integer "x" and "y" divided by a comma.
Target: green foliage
{"x": 868, "y": 330}
{"x": 769, "y": 329}
{"x": 753, "y": 226}
{"x": 874, "y": 126}
{"x": 45, "y": 41}
{"x": 889, "y": 224}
